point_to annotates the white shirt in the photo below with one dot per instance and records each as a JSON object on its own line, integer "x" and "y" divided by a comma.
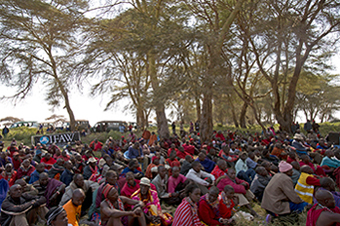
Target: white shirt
{"x": 240, "y": 165}
{"x": 197, "y": 177}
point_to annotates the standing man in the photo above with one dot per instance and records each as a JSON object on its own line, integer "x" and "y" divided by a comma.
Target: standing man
{"x": 197, "y": 126}
{"x": 5, "y": 131}
{"x": 173, "y": 125}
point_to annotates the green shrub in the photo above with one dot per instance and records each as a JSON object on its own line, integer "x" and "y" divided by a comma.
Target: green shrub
{"x": 21, "y": 135}
{"x": 102, "y": 137}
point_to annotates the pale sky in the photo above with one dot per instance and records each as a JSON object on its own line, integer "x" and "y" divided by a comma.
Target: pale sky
{"x": 35, "y": 108}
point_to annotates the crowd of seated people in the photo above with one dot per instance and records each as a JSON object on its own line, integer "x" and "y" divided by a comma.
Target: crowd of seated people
{"x": 176, "y": 181}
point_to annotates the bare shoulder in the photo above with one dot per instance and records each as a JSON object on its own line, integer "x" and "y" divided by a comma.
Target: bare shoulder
{"x": 103, "y": 204}
{"x": 327, "y": 218}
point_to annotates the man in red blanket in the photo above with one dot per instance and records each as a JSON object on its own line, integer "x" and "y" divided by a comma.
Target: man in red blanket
{"x": 325, "y": 212}
{"x": 209, "y": 208}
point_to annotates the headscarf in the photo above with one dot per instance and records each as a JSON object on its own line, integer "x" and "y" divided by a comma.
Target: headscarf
{"x": 53, "y": 213}
{"x": 107, "y": 188}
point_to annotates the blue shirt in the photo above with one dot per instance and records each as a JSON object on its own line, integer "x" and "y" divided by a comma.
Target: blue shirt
{"x": 127, "y": 169}
{"x": 300, "y": 149}
{"x": 35, "y": 176}
{"x": 121, "y": 129}
{"x": 208, "y": 164}
{"x": 66, "y": 177}
{"x": 134, "y": 153}
{"x": 321, "y": 147}
{"x": 330, "y": 162}
{"x": 250, "y": 163}
{"x": 109, "y": 151}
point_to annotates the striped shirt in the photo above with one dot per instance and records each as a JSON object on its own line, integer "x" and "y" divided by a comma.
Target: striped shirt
{"x": 184, "y": 216}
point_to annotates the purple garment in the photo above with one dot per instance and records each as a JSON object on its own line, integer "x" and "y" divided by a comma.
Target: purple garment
{"x": 33, "y": 163}
{"x": 3, "y": 162}
{"x": 52, "y": 185}
{"x": 99, "y": 195}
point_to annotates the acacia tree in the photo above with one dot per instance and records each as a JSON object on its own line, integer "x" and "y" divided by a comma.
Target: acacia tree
{"x": 118, "y": 70}
{"x": 149, "y": 32}
{"x": 317, "y": 96}
{"x": 11, "y": 119}
{"x": 161, "y": 34}
{"x": 214, "y": 20}
{"x": 39, "y": 43}
{"x": 194, "y": 65}
{"x": 292, "y": 33}
{"x": 123, "y": 75}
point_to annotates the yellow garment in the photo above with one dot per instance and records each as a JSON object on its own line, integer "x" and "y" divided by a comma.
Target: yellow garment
{"x": 304, "y": 190}
{"x": 154, "y": 212}
{"x": 73, "y": 213}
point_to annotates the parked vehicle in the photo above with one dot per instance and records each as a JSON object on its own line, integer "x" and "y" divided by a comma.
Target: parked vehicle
{"x": 80, "y": 125}
{"x": 107, "y": 126}
{"x": 31, "y": 124}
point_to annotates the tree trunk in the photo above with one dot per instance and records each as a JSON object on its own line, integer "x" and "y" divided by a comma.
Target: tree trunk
{"x": 243, "y": 115}
{"x": 67, "y": 104}
{"x": 287, "y": 118}
{"x": 63, "y": 92}
{"x": 257, "y": 116}
{"x": 232, "y": 108}
{"x": 285, "y": 121}
{"x": 214, "y": 47}
{"x": 322, "y": 118}
{"x": 162, "y": 123}
{"x": 70, "y": 112}
{"x": 140, "y": 118}
{"x": 206, "y": 123}
{"x": 146, "y": 118}
{"x": 234, "y": 118}
{"x": 198, "y": 108}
